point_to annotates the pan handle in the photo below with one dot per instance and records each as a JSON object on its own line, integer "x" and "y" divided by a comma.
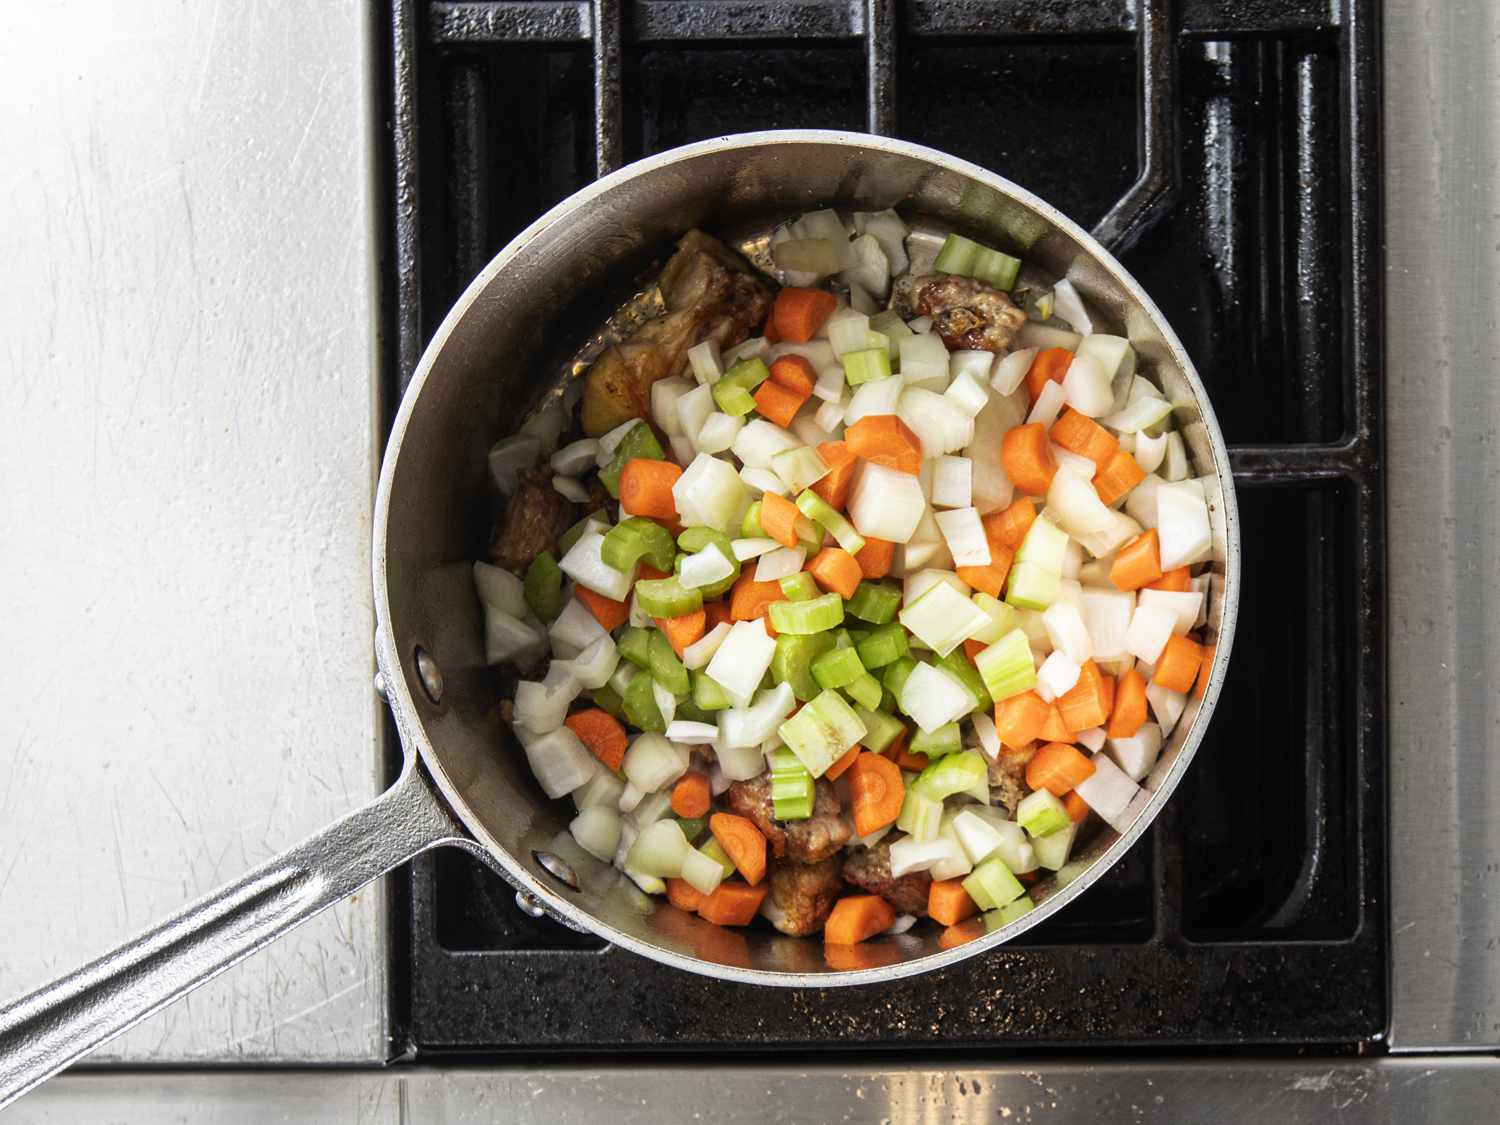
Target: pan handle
{"x": 62, "y": 1021}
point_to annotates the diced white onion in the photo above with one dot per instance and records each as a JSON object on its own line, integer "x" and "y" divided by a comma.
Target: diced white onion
{"x": 704, "y": 359}
{"x": 1140, "y": 501}
{"x": 1175, "y": 463}
{"x": 830, "y": 384}
{"x": 630, "y": 797}
{"x": 1137, "y": 754}
{"x": 1087, "y": 387}
{"x": 711, "y": 493}
{"x": 682, "y": 449}
{"x": 933, "y": 698}
{"x": 742, "y": 659}
{"x": 1182, "y": 523}
{"x": 1070, "y": 307}
{"x": 924, "y": 360}
{"x": 575, "y": 457}
{"x": 1150, "y": 626}
{"x": 888, "y": 229}
{"x": 967, "y": 393}
{"x": 593, "y": 667}
{"x": 500, "y": 589}
{"x": 1056, "y": 676}
{"x": 1185, "y": 604}
{"x": 952, "y": 482}
{"x": 604, "y": 788}
{"x": 989, "y": 737}
{"x": 1092, "y": 739}
{"x": 1034, "y": 335}
{"x": 597, "y": 830}
{"x": 1075, "y": 506}
{"x": 1107, "y": 790}
{"x": 829, "y": 415}
{"x": 907, "y": 855}
{"x": 1149, "y": 451}
{"x": 975, "y": 364}
{"x": 693, "y": 409}
{"x": 1048, "y": 405}
{"x": 613, "y": 438}
{"x": 1106, "y": 615}
{"x": 761, "y": 481}
{"x": 701, "y": 871}
{"x": 740, "y": 763}
{"x": 752, "y": 548}
{"x": 921, "y": 325}
{"x": 965, "y": 536}
{"x": 1011, "y": 370}
{"x": 992, "y": 489}
{"x": 879, "y": 396}
{"x": 1139, "y": 415}
{"x": 665, "y": 395}
{"x": 704, "y": 568}
{"x": 507, "y": 637}
{"x": 584, "y": 563}
{"x": 718, "y": 432}
{"x": 756, "y": 347}
{"x": 652, "y": 761}
{"x": 659, "y": 850}
{"x": 1079, "y": 465}
{"x": 690, "y": 733}
{"x": 569, "y": 489}
{"x": 1067, "y": 631}
{"x": 915, "y": 585}
{"x": 760, "y": 441}
{"x": 940, "y": 426}
{"x": 886, "y": 503}
{"x": 574, "y": 630}
{"x": 848, "y": 331}
{"x": 751, "y": 726}
{"x": 1121, "y": 529}
{"x": 1166, "y": 705}
{"x": 511, "y": 456}
{"x": 701, "y": 651}
{"x": 868, "y": 269}
{"x": 560, "y": 761}
{"x": 780, "y": 563}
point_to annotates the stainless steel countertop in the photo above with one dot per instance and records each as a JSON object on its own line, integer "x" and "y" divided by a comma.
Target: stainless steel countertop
{"x": 187, "y": 347}
{"x": 1442, "y": 170}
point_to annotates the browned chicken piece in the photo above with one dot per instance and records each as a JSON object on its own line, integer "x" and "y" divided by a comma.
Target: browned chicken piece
{"x": 802, "y": 841}
{"x": 710, "y": 293}
{"x": 870, "y": 871}
{"x": 967, "y": 314}
{"x": 802, "y": 895}
{"x": 536, "y": 515}
{"x": 1007, "y": 776}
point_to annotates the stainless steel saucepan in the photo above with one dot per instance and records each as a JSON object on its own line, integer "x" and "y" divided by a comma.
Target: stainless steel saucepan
{"x": 504, "y": 345}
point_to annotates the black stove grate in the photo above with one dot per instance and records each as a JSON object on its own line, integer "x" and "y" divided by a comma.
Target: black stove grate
{"x": 1247, "y": 203}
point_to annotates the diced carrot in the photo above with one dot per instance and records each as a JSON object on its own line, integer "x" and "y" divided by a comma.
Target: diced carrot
{"x": 1008, "y": 528}
{"x": 897, "y": 752}
{"x": 683, "y": 895}
{"x": 1078, "y": 808}
{"x": 648, "y": 571}
{"x": 1080, "y": 434}
{"x": 778, "y": 403}
{"x": 1117, "y": 477}
{"x": 646, "y": 488}
{"x": 778, "y": 518}
{"x": 1055, "y": 729}
{"x": 1205, "y": 670}
{"x": 1178, "y": 580}
{"x": 715, "y": 613}
{"x": 732, "y": 904}
{"x": 751, "y": 599}
{"x": 1028, "y": 877}
{"x": 875, "y": 557}
{"x": 1129, "y": 713}
{"x": 834, "y": 487}
{"x": 991, "y": 578}
{"x": 1050, "y": 363}
{"x": 1177, "y": 666}
{"x": 836, "y": 771}
{"x": 742, "y": 842}
{"x": 608, "y": 612}
{"x": 602, "y": 733}
{"x": 769, "y": 329}
{"x": 683, "y": 631}
{"x": 973, "y": 648}
{"x": 948, "y": 902}
{"x": 876, "y": 792}
{"x": 836, "y": 570}
{"x": 885, "y": 440}
{"x": 1083, "y": 705}
{"x": 690, "y": 796}
{"x": 799, "y": 313}
{"x": 1019, "y": 719}
{"x": 1057, "y": 768}
{"x": 857, "y": 917}
{"x": 795, "y": 373}
{"x": 1138, "y": 562}
{"x": 1028, "y": 458}
{"x": 1108, "y": 687}
{"x": 962, "y": 933}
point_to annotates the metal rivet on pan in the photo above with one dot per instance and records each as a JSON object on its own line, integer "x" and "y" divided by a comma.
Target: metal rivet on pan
{"x": 557, "y": 868}
{"x": 430, "y": 675}
{"x": 530, "y": 904}
{"x": 380, "y": 684}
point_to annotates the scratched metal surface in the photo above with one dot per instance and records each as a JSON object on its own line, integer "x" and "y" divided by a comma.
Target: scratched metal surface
{"x": 1442, "y": 290}
{"x": 1287, "y": 1092}
{"x": 186, "y": 358}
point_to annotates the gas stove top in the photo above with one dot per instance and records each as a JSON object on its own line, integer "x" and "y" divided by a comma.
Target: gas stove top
{"x": 1245, "y": 199}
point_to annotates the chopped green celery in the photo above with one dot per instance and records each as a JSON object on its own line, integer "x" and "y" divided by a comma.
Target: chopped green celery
{"x": 921, "y": 815}
{"x": 732, "y": 392}
{"x": 890, "y": 325}
{"x": 635, "y": 645}
{"x": 1045, "y": 544}
{"x": 1039, "y": 304}
{"x": 875, "y": 602}
{"x": 815, "y": 508}
{"x": 895, "y": 674}
{"x": 800, "y": 587}
{"x": 640, "y": 705}
{"x": 1042, "y": 814}
{"x": 793, "y": 661}
{"x": 608, "y": 699}
{"x": 957, "y": 256}
{"x": 691, "y": 828}
{"x": 837, "y": 668}
{"x": 543, "y": 587}
{"x": 666, "y": 597}
{"x": 994, "y": 267}
{"x": 942, "y": 617}
{"x": 1007, "y": 666}
{"x": 666, "y": 669}
{"x": 575, "y": 533}
{"x": 991, "y": 884}
{"x": 1005, "y": 915}
{"x": 1003, "y": 619}
{"x": 750, "y": 527}
{"x": 866, "y": 692}
{"x": 881, "y": 730}
{"x": 690, "y": 712}
{"x": 822, "y": 732}
{"x": 867, "y": 364}
{"x": 624, "y": 673}
{"x": 707, "y": 694}
{"x": 944, "y": 740}
{"x": 952, "y": 773}
{"x": 961, "y": 668}
{"x": 791, "y": 786}
{"x": 841, "y": 637}
{"x": 887, "y": 701}
{"x": 1031, "y": 587}
{"x": 799, "y": 468}
{"x": 638, "y": 538}
{"x": 638, "y": 442}
{"x": 1052, "y": 849}
{"x": 885, "y": 645}
{"x": 815, "y": 616}
{"x": 715, "y": 851}
{"x": 695, "y": 539}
